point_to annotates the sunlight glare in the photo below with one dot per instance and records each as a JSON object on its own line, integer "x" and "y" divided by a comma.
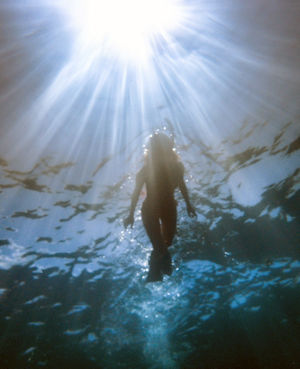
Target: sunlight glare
{"x": 127, "y": 28}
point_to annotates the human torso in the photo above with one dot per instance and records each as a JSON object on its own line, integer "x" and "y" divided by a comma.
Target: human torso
{"x": 162, "y": 181}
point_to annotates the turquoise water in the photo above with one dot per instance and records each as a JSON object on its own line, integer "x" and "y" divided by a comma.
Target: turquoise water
{"x": 72, "y": 279}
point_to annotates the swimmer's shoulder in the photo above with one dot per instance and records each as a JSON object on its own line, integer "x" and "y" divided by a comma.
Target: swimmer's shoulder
{"x": 142, "y": 174}
{"x": 180, "y": 168}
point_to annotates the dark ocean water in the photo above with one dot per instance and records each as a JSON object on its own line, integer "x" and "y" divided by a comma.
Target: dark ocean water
{"x": 74, "y": 122}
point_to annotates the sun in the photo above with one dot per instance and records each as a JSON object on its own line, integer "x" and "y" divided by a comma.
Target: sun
{"x": 128, "y": 28}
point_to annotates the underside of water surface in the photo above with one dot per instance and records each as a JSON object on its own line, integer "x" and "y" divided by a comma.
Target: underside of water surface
{"x": 220, "y": 78}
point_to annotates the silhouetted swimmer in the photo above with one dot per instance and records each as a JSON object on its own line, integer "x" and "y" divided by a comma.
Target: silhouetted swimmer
{"x": 162, "y": 173}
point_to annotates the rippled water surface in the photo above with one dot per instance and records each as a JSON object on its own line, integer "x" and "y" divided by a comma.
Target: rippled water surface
{"x": 73, "y": 130}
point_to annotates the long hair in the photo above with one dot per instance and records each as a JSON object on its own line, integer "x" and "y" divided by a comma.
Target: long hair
{"x": 161, "y": 151}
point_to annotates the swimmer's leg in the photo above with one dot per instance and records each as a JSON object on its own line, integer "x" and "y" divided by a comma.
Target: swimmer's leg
{"x": 155, "y": 270}
{"x": 168, "y": 226}
{"x": 169, "y": 221}
{"x": 153, "y": 229}
{"x": 152, "y": 226}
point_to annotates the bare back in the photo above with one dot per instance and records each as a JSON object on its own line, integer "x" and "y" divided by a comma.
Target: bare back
{"x": 162, "y": 181}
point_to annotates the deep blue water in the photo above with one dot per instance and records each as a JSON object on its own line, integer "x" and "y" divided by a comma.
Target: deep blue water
{"x": 72, "y": 279}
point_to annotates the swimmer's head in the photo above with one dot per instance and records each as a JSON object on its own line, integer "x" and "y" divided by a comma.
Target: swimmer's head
{"x": 161, "y": 147}
{"x": 160, "y": 142}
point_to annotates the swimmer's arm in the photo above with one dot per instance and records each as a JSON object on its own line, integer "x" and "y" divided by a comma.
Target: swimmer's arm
{"x": 139, "y": 182}
{"x": 182, "y": 186}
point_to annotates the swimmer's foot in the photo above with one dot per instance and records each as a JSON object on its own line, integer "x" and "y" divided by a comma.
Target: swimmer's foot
{"x": 155, "y": 273}
{"x": 166, "y": 263}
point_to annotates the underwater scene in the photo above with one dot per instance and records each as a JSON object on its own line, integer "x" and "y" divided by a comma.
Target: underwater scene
{"x": 80, "y": 96}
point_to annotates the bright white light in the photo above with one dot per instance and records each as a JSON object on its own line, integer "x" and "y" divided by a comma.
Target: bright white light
{"x": 127, "y": 27}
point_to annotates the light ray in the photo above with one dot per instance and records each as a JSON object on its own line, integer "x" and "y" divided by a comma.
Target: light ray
{"x": 125, "y": 28}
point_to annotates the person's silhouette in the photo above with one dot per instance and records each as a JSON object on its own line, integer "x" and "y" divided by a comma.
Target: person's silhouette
{"x": 162, "y": 174}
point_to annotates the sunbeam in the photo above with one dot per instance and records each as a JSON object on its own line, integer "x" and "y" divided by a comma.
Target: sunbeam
{"x": 128, "y": 29}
